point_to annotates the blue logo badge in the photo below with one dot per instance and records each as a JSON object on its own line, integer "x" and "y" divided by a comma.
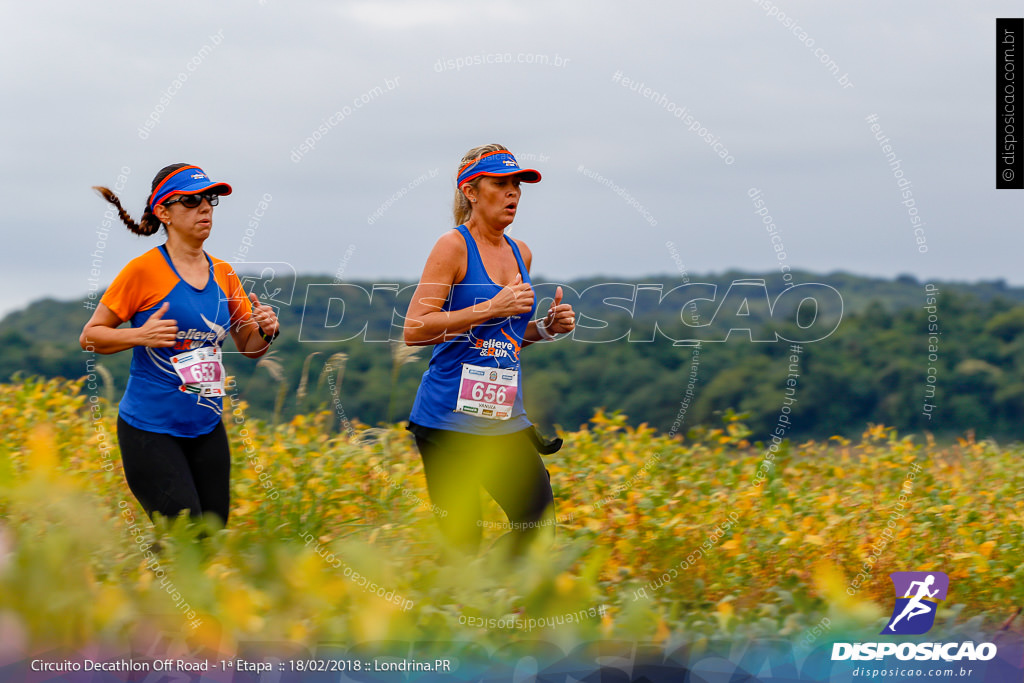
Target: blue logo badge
{"x": 917, "y": 599}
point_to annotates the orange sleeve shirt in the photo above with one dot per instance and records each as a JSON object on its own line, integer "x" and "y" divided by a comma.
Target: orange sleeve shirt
{"x": 155, "y": 398}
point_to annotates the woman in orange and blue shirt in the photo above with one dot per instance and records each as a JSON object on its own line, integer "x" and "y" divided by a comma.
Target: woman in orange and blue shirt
{"x": 181, "y": 304}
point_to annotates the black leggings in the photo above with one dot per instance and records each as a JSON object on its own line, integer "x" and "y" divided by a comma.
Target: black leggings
{"x": 168, "y": 474}
{"x": 508, "y": 466}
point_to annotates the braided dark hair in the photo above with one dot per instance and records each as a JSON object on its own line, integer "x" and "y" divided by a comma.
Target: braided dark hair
{"x": 149, "y": 223}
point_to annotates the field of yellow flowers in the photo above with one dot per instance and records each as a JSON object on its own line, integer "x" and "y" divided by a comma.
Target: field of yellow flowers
{"x": 332, "y": 540}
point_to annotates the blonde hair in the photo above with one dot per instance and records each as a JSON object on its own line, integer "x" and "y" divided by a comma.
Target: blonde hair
{"x": 462, "y": 209}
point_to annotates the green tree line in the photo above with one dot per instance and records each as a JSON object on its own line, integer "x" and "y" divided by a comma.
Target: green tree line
{"x": 640, "y": 349}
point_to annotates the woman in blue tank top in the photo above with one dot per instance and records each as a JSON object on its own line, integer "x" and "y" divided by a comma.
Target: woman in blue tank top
{"x": 474, "y": 303}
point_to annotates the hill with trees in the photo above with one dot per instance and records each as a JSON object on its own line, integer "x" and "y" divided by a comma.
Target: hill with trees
{"x": 670, "y": 351}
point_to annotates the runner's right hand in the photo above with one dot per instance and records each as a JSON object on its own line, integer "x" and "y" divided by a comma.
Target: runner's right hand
{"x": 513, "y": 299}
{"x": 156, "y": 331}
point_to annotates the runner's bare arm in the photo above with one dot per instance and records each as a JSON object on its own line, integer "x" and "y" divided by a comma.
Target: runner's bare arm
{"x": 246, "y": 334}
{"x": 102, "y": 333}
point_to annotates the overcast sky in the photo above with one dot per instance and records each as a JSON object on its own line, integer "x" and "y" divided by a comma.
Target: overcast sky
{"x": 389, "y": 83}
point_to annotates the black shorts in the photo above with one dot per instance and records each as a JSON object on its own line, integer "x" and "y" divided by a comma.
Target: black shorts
{"x": 508, "y": 466}
{"x": 168, "y": 474}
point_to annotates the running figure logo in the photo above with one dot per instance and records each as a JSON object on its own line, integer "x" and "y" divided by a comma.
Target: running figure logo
{"x": 917, "y": 599}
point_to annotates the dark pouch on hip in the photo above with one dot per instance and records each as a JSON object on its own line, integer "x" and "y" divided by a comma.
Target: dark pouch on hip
{"x": 543, "y": 446}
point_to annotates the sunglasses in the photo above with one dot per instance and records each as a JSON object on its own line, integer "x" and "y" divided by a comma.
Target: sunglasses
{"x": 191, "y": 201}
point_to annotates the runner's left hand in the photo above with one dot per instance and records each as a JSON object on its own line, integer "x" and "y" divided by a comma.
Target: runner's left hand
{"x": 560, "y": 318}
{"x": 264, "y": 316}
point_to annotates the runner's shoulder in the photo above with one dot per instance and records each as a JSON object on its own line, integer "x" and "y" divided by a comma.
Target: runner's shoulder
{"x": 145, "y": 260}
{"x": 145, "y": 264}
{"x": 451, "y": 247}
{"x": 451, "y": 242}
{"x": 221, "y": 265}
{"x": 450, "y": 254}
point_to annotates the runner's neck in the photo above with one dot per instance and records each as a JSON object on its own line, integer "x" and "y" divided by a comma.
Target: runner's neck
{"x": 185, "y": 254}
{"x": 489, "y": 235}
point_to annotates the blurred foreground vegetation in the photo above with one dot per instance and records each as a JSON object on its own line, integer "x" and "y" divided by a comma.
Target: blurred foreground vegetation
{"x": 632, "y": 506}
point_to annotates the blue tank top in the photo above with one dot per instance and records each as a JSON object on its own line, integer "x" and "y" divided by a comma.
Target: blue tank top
{"x": 494, "y": 344}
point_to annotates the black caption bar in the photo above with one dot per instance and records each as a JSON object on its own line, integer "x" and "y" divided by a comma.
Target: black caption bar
{"x": 1009, "y": 156}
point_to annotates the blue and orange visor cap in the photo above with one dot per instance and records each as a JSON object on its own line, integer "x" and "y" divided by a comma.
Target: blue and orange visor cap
{"x": 500, "y": 163}
{"x": 185, "y": 180}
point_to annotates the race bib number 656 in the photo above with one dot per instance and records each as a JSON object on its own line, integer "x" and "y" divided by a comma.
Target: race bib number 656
{"x": 487, "y": 392}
